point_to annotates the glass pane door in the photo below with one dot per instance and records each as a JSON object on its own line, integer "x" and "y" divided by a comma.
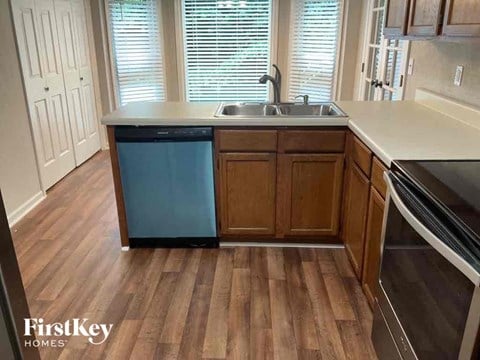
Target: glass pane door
{"x": 384, "y": 65}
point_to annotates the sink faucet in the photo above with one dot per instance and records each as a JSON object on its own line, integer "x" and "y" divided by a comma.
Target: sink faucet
{"x": 304, "y": 97}
{"x": 276, "y": 82}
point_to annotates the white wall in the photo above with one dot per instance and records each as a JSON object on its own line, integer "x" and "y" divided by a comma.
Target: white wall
{"x": 19, "y": 180}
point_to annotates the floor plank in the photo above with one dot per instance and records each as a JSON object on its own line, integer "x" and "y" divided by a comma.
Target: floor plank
{"x": 257, "y": 303}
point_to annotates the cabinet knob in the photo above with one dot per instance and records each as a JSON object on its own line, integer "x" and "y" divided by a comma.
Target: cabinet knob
{"x": 374, "y": 82}
{"x": 379, "y": 84}
{"x": 46, "y": 88}
{"x": 81, "y": 78}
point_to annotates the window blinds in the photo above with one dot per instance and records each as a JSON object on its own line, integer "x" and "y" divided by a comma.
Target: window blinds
{"x": 226, "y": 49}
{"x": 137, "y": 51}
{"x": 313, "y": 49}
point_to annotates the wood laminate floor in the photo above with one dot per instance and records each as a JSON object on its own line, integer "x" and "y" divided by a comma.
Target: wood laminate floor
{"x": 257, "y": 303}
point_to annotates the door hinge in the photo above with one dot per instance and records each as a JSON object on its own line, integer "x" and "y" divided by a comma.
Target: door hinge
{"x": 363, "y": 67}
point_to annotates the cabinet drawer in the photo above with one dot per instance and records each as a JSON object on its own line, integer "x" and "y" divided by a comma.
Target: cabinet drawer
{"x": 246, "y": 140}
{"x": 362, "y": 155}
{"x": 311, "y": 141}
{"x": 377, "y": 176}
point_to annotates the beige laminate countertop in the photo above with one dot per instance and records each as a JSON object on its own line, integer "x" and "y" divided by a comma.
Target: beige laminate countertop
{"x": 407, "y": 130}
{"x": 402, "y": 130}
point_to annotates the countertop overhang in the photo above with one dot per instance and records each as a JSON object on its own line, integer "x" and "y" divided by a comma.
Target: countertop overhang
{"x": 400, "y": 130}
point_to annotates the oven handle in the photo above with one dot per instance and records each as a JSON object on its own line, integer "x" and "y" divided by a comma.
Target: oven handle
{"x": 427, "y": 235}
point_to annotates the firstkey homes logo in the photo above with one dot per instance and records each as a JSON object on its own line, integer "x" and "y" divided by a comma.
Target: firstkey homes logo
{"x": 96, "y": 334}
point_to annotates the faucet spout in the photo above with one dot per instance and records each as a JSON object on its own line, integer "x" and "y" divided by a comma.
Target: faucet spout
{"x": 275, "y": 84}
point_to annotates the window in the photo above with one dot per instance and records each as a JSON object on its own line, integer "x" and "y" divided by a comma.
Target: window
{"x": 226, "y": 49}
{"x": 313, "y": 48}
{"x": 137, "y": 51}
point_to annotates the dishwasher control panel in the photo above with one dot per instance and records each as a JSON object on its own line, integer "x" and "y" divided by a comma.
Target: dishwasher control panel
{"x": 156, "y": 133}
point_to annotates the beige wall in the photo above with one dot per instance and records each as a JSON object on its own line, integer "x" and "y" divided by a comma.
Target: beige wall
{"x": 434, "y": 69}
{"x": 19, "y": 180}
{"x": 349, "y": 57}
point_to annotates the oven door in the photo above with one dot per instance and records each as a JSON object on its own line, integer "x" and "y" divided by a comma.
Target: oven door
{"x": 429, "y": 295}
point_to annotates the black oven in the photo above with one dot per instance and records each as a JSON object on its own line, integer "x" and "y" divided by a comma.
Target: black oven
{"x": 428, "y": 305}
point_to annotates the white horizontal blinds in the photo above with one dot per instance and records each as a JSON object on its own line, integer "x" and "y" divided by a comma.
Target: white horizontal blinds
{"x": 313, "y": 49}
{"x": 226, "y": 49}
{"x": 137, "y": 50}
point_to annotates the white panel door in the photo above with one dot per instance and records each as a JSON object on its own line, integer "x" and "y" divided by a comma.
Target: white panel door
{"x": 78, "y": 78}
{"x": 42, "y": 71}
{"x": 91, "y": 120}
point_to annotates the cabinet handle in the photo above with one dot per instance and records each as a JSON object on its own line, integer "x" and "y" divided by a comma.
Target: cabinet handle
{"x": 379, "y": 84}
{"x": 374, "y": 82}
{"x": 46, "y": 88}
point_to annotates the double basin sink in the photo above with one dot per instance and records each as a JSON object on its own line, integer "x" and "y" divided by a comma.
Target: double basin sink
{"x": 252, "y": 110}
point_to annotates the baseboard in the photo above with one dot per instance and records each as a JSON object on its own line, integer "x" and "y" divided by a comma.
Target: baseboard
{"x": 225, "y": 244}
{"x": 16, "y": 215}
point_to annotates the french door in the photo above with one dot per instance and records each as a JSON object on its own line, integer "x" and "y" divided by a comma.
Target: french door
{"x": 384, "y": 60}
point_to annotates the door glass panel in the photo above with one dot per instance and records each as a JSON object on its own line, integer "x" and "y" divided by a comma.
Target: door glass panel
{"x": 384, "y": 60}
{"x": 429, "y": 295}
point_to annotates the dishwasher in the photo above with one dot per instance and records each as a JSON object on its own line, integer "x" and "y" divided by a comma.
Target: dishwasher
{"x": 168, "y": 185}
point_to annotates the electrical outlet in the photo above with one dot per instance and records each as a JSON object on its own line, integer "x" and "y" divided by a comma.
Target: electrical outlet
{"x": 411, "y": 62}
{"x": 458, "y": 76}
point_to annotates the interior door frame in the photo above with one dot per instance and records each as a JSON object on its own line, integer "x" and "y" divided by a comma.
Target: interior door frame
{"x": 383, "y": 52}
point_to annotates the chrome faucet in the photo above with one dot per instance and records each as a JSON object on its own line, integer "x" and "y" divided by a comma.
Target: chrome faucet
{"x": 276, "y": 83}
{"x": 304, "y": 97}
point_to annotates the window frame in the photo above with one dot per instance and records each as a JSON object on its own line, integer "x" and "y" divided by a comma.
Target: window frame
{"x": 180, "y": 46}
{"x": 337, "y": 76}
{"x": 113, "y": 67}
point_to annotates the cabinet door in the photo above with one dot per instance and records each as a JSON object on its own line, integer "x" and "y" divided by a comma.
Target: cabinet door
{"x": 396, "y": 17}
{"x": 356, "y": 216}
{"x": 371, "y": 262}
{"x": 311, "y": 186}
{"x": 247, "y": 185}
{"x": 424, "y": 17}
{"x": 42, "y": 72}
{"x": 462, "y": 18}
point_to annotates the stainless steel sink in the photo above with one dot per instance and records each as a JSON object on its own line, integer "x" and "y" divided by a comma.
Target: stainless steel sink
{"x": 247, "y": 110}
{"x": 311, "y": 110}
{"x": 291, "y": 110}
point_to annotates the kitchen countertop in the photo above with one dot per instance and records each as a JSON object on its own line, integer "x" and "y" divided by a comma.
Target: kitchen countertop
{"x": 200, "y": 114}
{"x": 401, "y": 130}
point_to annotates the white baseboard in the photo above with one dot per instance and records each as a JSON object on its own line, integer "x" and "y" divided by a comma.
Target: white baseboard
{"x": 16, "y": 215}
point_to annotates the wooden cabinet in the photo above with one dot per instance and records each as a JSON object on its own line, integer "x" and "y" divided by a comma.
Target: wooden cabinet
{"x": 371, "y": 261}
{"x": 279, "y": 183}
{"x": 396, "y": 13}
{"x": 462, "y": 18}
{"x": 311, "y": 188}
{"x": 425, "y": 17}
{"x": 356, "y": 207}
{"x": 247, "y": 186}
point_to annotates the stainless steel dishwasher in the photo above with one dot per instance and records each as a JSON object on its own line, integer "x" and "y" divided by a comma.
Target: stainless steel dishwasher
{"x": 168, "y": 185}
